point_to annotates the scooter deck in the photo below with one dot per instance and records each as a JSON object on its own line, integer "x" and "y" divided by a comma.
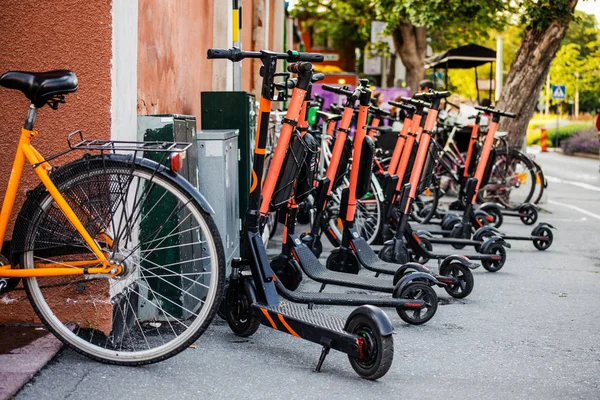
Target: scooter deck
{"x": 368, "y": 259}
{"x": 343, "y": 299}
{"x": 317, "y": 272}
{"x": 309, "y": 325}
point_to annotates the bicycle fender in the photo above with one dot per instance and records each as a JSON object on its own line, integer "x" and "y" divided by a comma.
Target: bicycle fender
{"x": 175, "y": 177}
{"x": 377, "y": 315}
{"x": 460, "y": 259}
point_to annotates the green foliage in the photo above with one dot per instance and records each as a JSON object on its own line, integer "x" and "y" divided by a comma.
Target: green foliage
{"x": 577, "y": 62}
{"x": 563, "y": 132}
{"x": 539, "y": 14}
{"x": 349, "y": 21}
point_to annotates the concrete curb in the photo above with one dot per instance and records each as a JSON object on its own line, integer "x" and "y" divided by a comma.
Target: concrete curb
{"x": 19, "y": 365}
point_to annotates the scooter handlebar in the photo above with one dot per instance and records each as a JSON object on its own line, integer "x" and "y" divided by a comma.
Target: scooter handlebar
{"x": 492, "y": 110}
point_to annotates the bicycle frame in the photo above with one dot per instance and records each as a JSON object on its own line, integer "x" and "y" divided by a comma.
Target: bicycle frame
{"x": 26, "y": 152}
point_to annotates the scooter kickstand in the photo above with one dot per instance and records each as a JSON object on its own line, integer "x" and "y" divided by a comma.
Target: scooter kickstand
{"x": 324, "y": 353}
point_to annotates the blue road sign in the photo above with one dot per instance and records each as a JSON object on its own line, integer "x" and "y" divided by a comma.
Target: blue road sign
{"x": 559, "y": 92}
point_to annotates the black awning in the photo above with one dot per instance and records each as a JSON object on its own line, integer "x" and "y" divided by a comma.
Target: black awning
{"x": 463, "y": 57}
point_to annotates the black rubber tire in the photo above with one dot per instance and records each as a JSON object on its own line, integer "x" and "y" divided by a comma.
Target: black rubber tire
{"x": 530, "y": 217}
{"x": 463, "y": 274}
{"x": 241, "y": 318}
{"x": 425, "y": 243}
{"x": 222, "y": 310}
{"x": 503, "y": 156}
{"x": 380, "y": 348}
{"x": 546, "y": 232}
{"x": 457, "y": 233}
{"x": 496, "y": 213}
{"x": 425, "y": 214}
{"x": 483, "y": 238}
{"x": 352, "y": 266}
{"x": 316, "y": 246}
{"x": 495, "y": 266}
{"x": 417, "y": 290}
{"x": 72, "y": 174}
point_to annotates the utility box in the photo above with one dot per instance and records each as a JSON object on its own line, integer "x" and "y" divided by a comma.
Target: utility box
{"x": 218, "y": 182}
{"x": 234, "y": 110}
{"x": 171, "y": 128}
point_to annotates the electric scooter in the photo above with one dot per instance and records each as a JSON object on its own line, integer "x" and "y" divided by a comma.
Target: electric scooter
{"x": 252, "y": 298}
{"x": 415, "y": 303}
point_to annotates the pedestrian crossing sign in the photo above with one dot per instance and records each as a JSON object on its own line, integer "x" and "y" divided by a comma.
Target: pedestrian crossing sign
{"x": 559, "y": 92}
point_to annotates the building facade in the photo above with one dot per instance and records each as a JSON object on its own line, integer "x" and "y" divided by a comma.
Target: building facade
{"x": 132, "y": 57}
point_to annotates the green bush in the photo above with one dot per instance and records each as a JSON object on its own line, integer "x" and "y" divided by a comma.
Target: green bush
{"x": 563, "y": 132}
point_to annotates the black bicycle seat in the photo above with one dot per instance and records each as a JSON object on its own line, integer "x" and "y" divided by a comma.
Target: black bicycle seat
{"x": 39, "y": 87}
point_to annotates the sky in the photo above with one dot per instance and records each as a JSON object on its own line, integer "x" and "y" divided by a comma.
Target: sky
{"x": 590, "y": 7}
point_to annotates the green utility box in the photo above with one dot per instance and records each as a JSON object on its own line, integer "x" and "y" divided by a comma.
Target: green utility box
{"x": 181, "y": 259}
{"x": 234, "y": 110}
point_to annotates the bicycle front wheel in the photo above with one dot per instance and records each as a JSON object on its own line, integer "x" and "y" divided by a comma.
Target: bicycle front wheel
{"x": 149, "y": 223}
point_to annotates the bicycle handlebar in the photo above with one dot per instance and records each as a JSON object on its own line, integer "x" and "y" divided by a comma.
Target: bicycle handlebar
{"x": 236, "y": 54}
{"x": 492, "y": 110}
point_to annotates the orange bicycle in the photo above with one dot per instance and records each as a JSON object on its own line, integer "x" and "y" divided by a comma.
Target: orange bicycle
{"x": 118, "y": 254}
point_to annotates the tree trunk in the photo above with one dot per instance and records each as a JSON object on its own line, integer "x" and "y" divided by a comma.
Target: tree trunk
{"x": 527, "y": 75}
{"x": 391, "y": 76}
{"x": 411, "y": 46}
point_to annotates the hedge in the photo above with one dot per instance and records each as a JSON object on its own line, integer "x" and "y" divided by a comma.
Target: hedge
{"x": 563, "y": 132}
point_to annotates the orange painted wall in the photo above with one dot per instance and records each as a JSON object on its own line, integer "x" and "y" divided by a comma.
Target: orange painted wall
{"x": 40, "y": 36}
{"x": 247, "y": 43}
{"x": 173, "y": 37}
{"x": 44, "y": 35}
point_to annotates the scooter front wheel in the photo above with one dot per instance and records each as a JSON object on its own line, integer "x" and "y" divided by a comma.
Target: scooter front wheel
{"x": 417, "y": 290}
{"x": 528, "y": 214}
{"x": 378, "y": 348}
{"x": 240, "y": 317}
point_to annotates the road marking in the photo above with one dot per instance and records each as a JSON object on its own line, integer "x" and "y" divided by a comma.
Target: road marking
{"x": 581, "y": 210}
{"x": 587, "y": 186}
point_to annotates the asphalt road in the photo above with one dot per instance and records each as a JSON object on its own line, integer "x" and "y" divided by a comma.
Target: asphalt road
{"x": 530, "y": 331}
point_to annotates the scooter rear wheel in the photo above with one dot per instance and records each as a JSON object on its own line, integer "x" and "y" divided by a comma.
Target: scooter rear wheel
{"x": 379, "y": 348}
{"x": 544, "y": 232}
{"x": 418, "y": 290}
{"x": 495, "y": 265}
{"x": 464, "y": 277}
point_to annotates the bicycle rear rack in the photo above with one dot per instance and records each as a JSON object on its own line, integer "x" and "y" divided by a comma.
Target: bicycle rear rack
{"x": 120, "y": 145}
{"x": 113, "y": 146}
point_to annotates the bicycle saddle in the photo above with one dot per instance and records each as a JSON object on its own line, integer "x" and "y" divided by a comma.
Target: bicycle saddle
{"x": 39, "y": 87}
{"x": 500, "y": 134}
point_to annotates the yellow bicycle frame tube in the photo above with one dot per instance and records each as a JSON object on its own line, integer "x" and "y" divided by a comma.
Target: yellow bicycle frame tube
{"x": 26, "y": 151}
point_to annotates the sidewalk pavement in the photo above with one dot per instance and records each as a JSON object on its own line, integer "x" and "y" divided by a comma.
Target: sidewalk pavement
{"x": 24, "y": 350}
